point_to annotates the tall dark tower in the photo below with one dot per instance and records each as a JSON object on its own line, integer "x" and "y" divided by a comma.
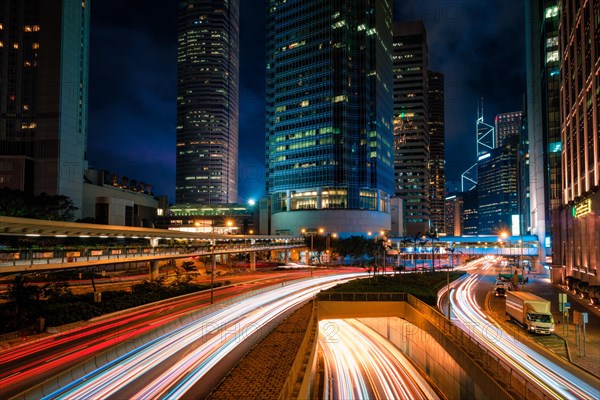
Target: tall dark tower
{"x": 43, "y": 96}
{"x": 437, "y": 140}
{"x": 411, "y": 125}
{"x": 207, "y": 101}
{"x": 542, "y": 116}
{"x": 329, "y": 115}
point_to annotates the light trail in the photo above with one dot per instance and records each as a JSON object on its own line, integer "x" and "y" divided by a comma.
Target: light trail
{"x": 185, "y": 355}
{"x": 549, "y": 377}
{"x": 373, "y": 369}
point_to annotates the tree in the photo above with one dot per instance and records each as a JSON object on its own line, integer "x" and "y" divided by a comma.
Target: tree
{"x": 17, "y": 203}
{"x": 432, "y": 235}
{"x": 354, "y": 246}
{"x": 23, "y": 296}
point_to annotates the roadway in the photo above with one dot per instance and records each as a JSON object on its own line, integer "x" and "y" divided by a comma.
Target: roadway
{"x": 544, "y": 371}
{"x": 374, "y": 369}
{"x": 176, "y": 364}
{"x": 33, "y": 361}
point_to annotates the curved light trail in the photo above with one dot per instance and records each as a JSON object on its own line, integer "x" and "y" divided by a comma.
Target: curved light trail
{"x": 170, "y": 365}
{"x": 362, "y": 364}
{"x": 549, "y": 377}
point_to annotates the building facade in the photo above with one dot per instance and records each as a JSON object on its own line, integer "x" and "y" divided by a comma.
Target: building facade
{"x": 508, "y": 124}
{"x": 329, "y": 155}
{"x": 207, "y": 101}
{"x": 437, "y": 145}
{"x": 576, "y": 224}
{"x": 470, "y": 218}
{"x": 412, "y": 138}
{"x": 497, "y": 189}
{"x": 454, "y": 213}
{"x": 43, "y": 96}
{"x": 542, "y": 117}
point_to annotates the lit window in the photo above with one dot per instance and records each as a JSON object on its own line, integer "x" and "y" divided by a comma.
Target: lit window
{"x": 304, "y": 103}
{"x": 1, "y": 44}
{"x": 27, "y": 28}
{"x": 25, "y": 107}
{"x": 16, "y": 45}
{"x": 27, "y": 63}
{"x": 35, "y": 46}
{"x": 36, "y": 28}
{"x": 552, "y": 56}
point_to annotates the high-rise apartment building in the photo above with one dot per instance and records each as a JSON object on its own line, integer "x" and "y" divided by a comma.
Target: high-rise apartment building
{"x": 542, "y": 117}
{"x": 454, "y": 214}
{"x": 207, "y": 101}
{"x": 329, "y": 155}
{"x": 43, "y": 96}
{"x": 470, "y": 217}
{"x": 576, "y": 225}
{"x": 437, "y": 167}
{"x": 508, "y": 124}
{"x": 411, "y": 125}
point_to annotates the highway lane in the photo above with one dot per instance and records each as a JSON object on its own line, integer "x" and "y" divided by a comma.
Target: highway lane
{"x": 361, "y": 364}
{"x": 176, "y": 362}
{"x": 23, "y": 366}
{"x": 544, "y": 374}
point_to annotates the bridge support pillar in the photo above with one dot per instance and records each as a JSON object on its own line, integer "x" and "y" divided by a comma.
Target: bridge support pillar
{"x": 153, "y": 270}
{"x": 252, "y": 261}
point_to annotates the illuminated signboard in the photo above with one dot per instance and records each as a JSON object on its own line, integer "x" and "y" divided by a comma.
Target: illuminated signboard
{"x": 582, "y": 208}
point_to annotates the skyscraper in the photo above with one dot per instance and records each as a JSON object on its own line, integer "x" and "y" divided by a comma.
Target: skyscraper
{"x": 43, "y": 96}
{"x": 497, "y": 188}
{"x": 508, "y": 124}
{"x": 207, "y": 101}
{"x": 542, "y": 116}
{"x": 329, "y": 115}
{"x": 576, "y": 225}
{"x": 411, "y": 125}
{"x": 437, "y": 167}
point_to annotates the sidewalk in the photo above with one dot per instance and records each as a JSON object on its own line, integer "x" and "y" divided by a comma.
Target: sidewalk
{"x": 541, "y": 286}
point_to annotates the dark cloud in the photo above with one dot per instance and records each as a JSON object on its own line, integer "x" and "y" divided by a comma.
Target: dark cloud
{"x": 477, "y": 44}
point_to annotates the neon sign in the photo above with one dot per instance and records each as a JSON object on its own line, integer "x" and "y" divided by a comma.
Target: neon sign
{"x": 582, "y": 208}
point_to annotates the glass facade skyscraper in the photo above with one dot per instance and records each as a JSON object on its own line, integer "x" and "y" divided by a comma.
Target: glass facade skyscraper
{"x": 43, "y": 96}
{"x": 329, "y": 115}
{"x": 207, "y": 101}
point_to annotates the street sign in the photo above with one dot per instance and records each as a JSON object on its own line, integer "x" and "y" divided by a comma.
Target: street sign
{"x": 567, "y": 305}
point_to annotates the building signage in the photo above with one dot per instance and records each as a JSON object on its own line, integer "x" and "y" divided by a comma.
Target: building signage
{"x": 582, "y": 208}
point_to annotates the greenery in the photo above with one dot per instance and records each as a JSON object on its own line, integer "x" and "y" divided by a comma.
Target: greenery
{"x": 55, "y": 302}
{"x": 16, "y": 203}
{"x": 424, "y": 286}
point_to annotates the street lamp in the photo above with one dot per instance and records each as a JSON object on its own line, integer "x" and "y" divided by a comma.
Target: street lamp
{"x": 312, "y": 234}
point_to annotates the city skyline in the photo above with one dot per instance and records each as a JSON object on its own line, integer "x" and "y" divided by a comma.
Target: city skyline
{"x": 133, "y": 83}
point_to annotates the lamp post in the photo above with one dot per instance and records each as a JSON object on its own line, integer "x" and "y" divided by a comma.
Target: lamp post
{"x": 214, "y": 262}
{"x": 311, "y": 234}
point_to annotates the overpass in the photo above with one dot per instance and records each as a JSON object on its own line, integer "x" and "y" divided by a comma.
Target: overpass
{"x": 455, "y": 246}
{"x": 162, "y": 244}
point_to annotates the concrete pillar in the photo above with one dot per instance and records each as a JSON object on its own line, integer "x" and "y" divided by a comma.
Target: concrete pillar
{"x": 153, "y": 242}
{"x": 153, "y": 270}
{"x": 319, "y": 198}
{"x": 287, "y": 256}
{"x": 252, "y": 261}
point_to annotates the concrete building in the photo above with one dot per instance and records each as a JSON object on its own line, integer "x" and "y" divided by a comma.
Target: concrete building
{"x": 329, "y": 155}
{"x": 207, "y": 101}
{"x": 453, "y": 215}
{"x": 576, "y": 224}
{"x": 43, "y": 97}
{"x": 106, "y": 201}
{"x": 412, "y": 139}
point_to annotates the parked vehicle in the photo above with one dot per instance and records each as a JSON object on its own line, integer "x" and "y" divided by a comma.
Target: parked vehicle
{"x": 530, "y": 311}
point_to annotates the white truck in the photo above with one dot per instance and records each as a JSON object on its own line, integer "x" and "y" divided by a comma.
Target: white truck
{"x": 530, "y": 311}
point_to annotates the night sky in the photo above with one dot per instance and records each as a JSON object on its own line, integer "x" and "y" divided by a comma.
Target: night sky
{"x": 477, "y": 44}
